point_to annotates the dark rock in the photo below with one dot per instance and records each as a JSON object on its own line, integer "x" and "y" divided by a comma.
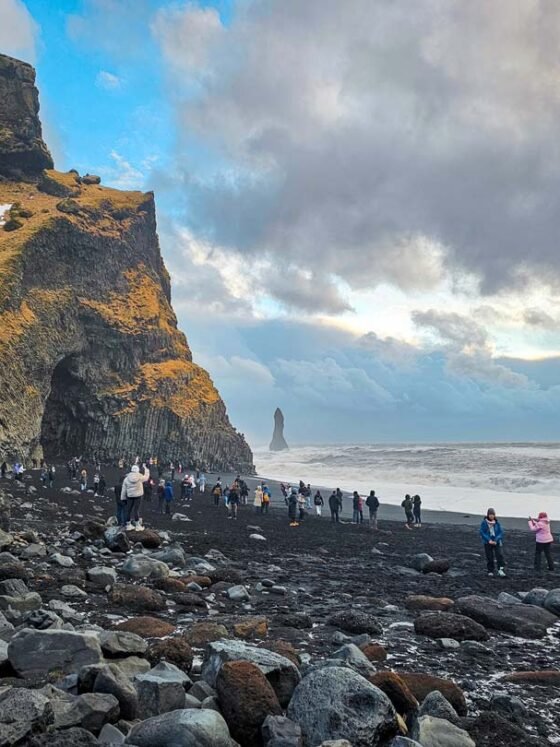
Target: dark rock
{"x": 546, "y": 678}
{"x": 121, "y": 643}
{"x": 519, "y": 619}
{"x": 280, "y": 731}
{"x": 246, "y": 698}
{"x": 374, "y": 652}
{"x": 421, "y": 603}
{"x": 69, "y": 205}
{"x": 436, "y": 566}
{"x": 112, "y": 681}
{"x": 433, "y": 732}
{"x": 552, "y": 602}
{"x": 420, "y": 561}
{"x": 337, "y": 703}
{"x": 160, "y": 690}
{"x": 278, "y": 442}
{"x": 138, "y": 598}
{"x": 116, "y": 540}
{"x": 435, "y": 704}
{"x": 205, "y": 632}
{"x": 175, "y": 650}
{"x": 299, "y": 620}
{"x": 147, "y": 538}
{"x": 90, "y": 711}
{"x": 22, "y": 712}
{"x": 353, "y": 621}
{"x": 200, "y": 728}
{"x": 448, "y": 625}
{"x": 421, "y": 685}
{"x": 75, "y": 737}
{"x": 353, "y": 657}
{"x": 90, "y": 179}
{"x": 490, "y": 729}
{"x": 35, "y": 653}
{"x": 147, "y": 627}
{"x": 251, "y": 627}
{"x": 535, "y": 597}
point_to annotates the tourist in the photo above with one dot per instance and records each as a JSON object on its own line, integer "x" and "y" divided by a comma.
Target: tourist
{"x": 258, "y": 500}
{"x": 202, "y": 483}
{"x": 243, "y": 492}
{"x": 233, "y": 500}
{"x": 18, "y": 471}
{"x": 266, "y": 499}
{"x": 308, "y": 492}
{"x": 172, "y": 470}
{"x": 3, "y": 469}
{"x": 357, "y": 507}
{"x": 121, "y": 503}
{"x": 335, "y": 506}
{"x": 544, "y": 540}
{"x": 417, "y": 510}
{"x": 493, "y": 539}
{"x": 407, "y": 505}
{"x": 217, "y": 493}
{"x": 184, "y": 487}
{"x": 285, "y": 490}
{"x": 168, "y": 496}
{"x": 51, "y": 475}
{"x": 319, "y": 503}
{"x": 372, "y": 502}
{"x": 148, "y": 488}
{"x": 83, "y": 480}
{"x": 302, "y": 505}
{"x": 133, "y": 490}
{"x": 292, "y": 507}
{"x": 95, "y": 484}
{"x": 43, "y": 475}
{"x": 161, "y": 495}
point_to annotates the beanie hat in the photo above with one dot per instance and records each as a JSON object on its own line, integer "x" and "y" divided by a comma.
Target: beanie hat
{"x": 135, "y": 468}
{"x": 491, "y": 511}
{"x": 543, "y": 515}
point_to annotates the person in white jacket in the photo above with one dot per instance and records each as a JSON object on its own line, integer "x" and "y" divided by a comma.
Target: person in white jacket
{"x": 132, "y": 492}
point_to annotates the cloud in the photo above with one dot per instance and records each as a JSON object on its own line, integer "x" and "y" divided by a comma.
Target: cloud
{"x": 123, "y": 174}
{"x": 379, "y": 142}
{"x": 116, "y": 27}
{"x": 108, "y": 81}
{"x": 18, "y": 30}
{"x": 459, "y": 331}
{"x": 540, "y": 318}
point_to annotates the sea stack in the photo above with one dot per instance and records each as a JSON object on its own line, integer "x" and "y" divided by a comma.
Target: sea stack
{"x": 278, "y": 442}
{"x": 91, "y": 360}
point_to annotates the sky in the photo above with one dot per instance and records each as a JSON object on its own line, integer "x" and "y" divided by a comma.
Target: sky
{"x": 358, "y": 201}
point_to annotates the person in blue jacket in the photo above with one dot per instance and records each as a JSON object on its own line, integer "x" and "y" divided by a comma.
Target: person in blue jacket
{"x": 168, "y": 496}
{"x": 493, "y": 539}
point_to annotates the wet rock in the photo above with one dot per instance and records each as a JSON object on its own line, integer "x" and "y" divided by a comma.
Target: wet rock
{"x": 490, "y": 729}
{"x": 138, "y": 598}
{"x": 246, "y": 698}
{"x": 282, "y": 674}
{"x": 420, "y": 561}
{"x": 121, "y": 643}
{"x": 112, "y": 681}
{"x": 552, "y": 602}
{"x": 436, "y": 705}
{"x": 435, "y": 732}
{"x": 337, "y": 703}
{"x": 475, "y": 649}
{"x": 509, "y": 706}
{"x": 90, "y": 711}
{"x": 175, "y": 650}
{"x": 160, "y": 690}
{"x": 396, "y": 690}
{"x": 35, "y": 653}
{"x": 354, "y": 621}
{"x": 183, "y": 728}
{"x": 298, "y": 620}
{"x": 189, "y": 601}
{"x": 147, "y": 627}
{"x": 505, "y": 597}
{"x": 12, "y": 568}
{"x": 420, "y": 603}
{"x": 116, "y": 540}
{"x": 535, "y": 597}
{"x": 170, "y": 584}
{"x": 205, "y": 632}
{"x": 172, "y": 556}
{"x": 280, "y": 731}
{"x": 238, "y": 594}
{"x": 519, "y": 619}
{"x": 441, "y": 565}
{"x": 102, "y": 576}
{"x": 421, "y": 685}
{"x": 143, "y": 567}
{"x": 448, "y": 625}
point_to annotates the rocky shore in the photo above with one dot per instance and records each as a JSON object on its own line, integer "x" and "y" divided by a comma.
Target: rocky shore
{"x": 205, "y": 632}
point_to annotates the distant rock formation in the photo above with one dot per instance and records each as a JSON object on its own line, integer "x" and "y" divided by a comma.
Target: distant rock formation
{"x": 278, "y": 442}
{"x": 91, "y": 360}
{"x": 22, "y": 150}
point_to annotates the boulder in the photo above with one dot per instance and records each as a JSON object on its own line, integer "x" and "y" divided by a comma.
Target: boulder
{"x": 421, "y": 603}
{"x": 337, "y": 703}
{"x": 441, "y": 565}
{"x": 299, "y": 620}
{"x": 35, "y": 653}
{"x": 435, "y": 704}
{"x": 535, "y": 597}
{"x": 251, "y": 627}
{"x": 238, "y": 593}
{"x": 552, "y": 602}
{"x": 280, "y": 731}
{"x": 21, "y": 603}
{"x": 172, "y": 555}
{"x": 138, "y": 598}
{"x": 12, "y": 568}
{"x": 421, "y": 685}
{"x": 21, "y": 712}
{"x": 143, "y": 567}
{"x": 110, "y": 735}
{"x": 436, "y": 732}
{"x": 355, "y": 658}
{"x": 448, "y": 625}
{"x": 121, "y": 643}
{"x": 374, "y": 652}
{"x": 188, "y": 727}
{"x": 6, "y": 539}
{"x": 147, "y": 627}
{"x": 203, "y": 633}
{"x": 420, "y": 561}
{"x": 523, "y": 620}
{"x": 160, "y": 690}
{"x": 147, "y": 537}
{"x": 90, "y": 711}
{"x": 282, "y": 674}
{"x": 112, "y": 681}
{"x": 102, "y": 576}
{"x": 246, "y": 698}
{"x": 73, "y": 737}
{"x": 175, "y": 650}
{"x": 354, "y": 621}
{"x": 116, "y": 540}
{"x": 396, "y": 690}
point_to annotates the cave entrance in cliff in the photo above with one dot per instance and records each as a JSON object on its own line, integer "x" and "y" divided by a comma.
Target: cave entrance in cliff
{"x": 65, "y": 418}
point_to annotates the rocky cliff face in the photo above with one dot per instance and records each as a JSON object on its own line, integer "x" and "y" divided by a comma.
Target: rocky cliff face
{"x": 91, "y": 360}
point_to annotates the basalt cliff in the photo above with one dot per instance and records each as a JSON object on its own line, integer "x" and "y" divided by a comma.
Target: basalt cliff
{"x": 91, "y": 360}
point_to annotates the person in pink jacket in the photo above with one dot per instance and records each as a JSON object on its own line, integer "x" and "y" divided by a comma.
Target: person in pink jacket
{"x": 544, "y": 540}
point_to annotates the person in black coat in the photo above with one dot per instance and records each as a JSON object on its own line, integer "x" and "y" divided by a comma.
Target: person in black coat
{"x": 372, "y": 502}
